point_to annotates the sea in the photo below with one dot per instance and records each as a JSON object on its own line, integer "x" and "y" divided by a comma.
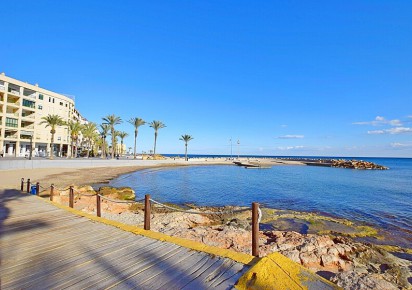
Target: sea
{"x": 379, "y": 198}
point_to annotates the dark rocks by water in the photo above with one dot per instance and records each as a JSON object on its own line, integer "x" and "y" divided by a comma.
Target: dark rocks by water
{"x": 357, "y": 164}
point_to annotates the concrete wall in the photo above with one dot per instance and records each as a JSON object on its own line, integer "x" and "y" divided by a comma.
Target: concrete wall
{"x": 80, "y": 163}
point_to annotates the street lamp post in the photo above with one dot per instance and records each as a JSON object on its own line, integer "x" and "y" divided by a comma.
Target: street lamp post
{"x": 238, "y": 149}
{"x": 231, "y": 149}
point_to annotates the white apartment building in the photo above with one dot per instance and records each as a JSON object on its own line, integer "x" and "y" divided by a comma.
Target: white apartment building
{"x": 22, "y": 107}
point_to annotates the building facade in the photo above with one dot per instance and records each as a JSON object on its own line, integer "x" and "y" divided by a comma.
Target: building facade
{"x": 22, "y": 107}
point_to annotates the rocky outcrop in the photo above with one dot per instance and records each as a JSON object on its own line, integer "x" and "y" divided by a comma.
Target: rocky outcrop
{"x": 357, "y": 164}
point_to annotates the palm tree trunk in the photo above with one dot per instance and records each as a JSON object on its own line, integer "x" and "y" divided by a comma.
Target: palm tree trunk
{"x": 154, "y": 147}
{"x": 186, "y": 151}
{"x": 51, "y": 146}
{"x": 113, "y": 137}
{"x": 135, "y": 139}
{"x": 71, "y": 148}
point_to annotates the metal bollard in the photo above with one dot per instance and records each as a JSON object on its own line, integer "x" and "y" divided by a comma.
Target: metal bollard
{"x": 147, "y": 212}
{"x": 37, "y": 188}
{"x": 22, "y": 184}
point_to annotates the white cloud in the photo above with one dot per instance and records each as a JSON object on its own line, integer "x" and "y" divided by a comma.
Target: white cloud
{"x": 380, "y": 121}
{"x": 393, "y": 131}
{"x": 289, "y": 147}
{"x": 401, "y": 145}
{"x": 376, "y": 132}
{"x": 292, "y": 137}
{"x": 284, "y": 126}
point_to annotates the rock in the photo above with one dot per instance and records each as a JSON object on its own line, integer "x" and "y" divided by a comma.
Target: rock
{"x": 353, "y": 280}
{"x": 121, "y": 193}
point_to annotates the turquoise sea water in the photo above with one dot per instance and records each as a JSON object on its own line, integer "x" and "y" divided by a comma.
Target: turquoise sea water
{"x": 379, "y": 198}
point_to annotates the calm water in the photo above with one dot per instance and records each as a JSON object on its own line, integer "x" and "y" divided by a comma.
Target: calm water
{"x": 379, "y": 198}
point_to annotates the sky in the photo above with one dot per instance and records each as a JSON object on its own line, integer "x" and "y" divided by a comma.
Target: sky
{"x": 295, "y": 78}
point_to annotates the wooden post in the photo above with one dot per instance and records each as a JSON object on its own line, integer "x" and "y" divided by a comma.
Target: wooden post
{"x": 147, "y": 212}
{"x": 71, "y": 197}
{"x": 37, "y": 188}
{"x": 51, "y": 192}
{"x": 28, "y": 185}
{"x": 255, "y": 229}
{"x": 22, "y": 184}
{"x": 98, "y": 206}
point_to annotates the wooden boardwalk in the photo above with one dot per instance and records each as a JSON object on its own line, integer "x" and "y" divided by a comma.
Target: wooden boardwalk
{"x": 44, "y": 247}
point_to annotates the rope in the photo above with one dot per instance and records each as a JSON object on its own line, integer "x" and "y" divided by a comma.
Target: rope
{"x": 116, "y": 201}
{"x": 200, "y": 212}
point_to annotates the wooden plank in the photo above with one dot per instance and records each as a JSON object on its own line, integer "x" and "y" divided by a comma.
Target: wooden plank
{"x": 105, "y": 278}
{"x": 172, "y": 272}
{"x": 202, "y": 280}
{"x": 184, "y": 279}
{"x": 47, "y": 271}
{"x": 220, "y": 282}
{"x": 35, "y": 259}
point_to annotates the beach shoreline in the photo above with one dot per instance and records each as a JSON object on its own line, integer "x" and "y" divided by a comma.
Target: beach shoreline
{"x": 88, "y": 176}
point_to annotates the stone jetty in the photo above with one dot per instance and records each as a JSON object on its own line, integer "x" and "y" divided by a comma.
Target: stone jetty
{"x": 357, "y": 164}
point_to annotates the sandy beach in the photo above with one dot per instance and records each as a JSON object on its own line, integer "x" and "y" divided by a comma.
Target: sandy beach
{"x": 66, "y": 172}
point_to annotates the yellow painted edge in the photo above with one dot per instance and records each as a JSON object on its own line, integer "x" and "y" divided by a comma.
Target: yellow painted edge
{"x": 194, "y": 245}
{"x": 276, "y": 271}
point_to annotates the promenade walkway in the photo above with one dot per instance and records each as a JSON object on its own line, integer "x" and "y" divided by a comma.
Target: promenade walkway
{"x": 45, "y": 247}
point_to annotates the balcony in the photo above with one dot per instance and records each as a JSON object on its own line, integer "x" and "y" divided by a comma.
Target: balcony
{"x": 27, "y": 127}
{"x": 28, "y": 116}
{"x": 12, "y": 114}
{"x": 14, "y": 104}
{"x": 14, "y": 92}
{"x": 2, "y": 88}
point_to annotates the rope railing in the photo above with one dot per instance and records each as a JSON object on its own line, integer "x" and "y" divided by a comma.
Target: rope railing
{"x": 256, "y": 211}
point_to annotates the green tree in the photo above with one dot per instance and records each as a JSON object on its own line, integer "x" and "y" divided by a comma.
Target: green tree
{"x": 136, "y": 122}
{"x": 104, "y": 131}
{"x": 156, "y": 125}
{"x": 186, "y": 138}
{"x": 75, "y": 128}
{"x": 122, "y": 135}
{"x": 52, "y": 121}
{"x": 89, "y": 133}
{"x": 112, "y": 121}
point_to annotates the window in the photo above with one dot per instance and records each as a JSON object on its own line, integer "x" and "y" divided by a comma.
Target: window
{"x": 10, "y": 122}
{"x": 28, "y": 103}
{"x": 40, "y": 107}
{"x": 66, "y": 105}
{"x": 53, "y": 100}
{"x": 49, "y": 99}
{"x": 61, "y": 103}
{"x": 41, "y": 97}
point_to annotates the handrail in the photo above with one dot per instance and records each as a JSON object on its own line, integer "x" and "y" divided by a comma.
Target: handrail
{"x": 256, "y": 211}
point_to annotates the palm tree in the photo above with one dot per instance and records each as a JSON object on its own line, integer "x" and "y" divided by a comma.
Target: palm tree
{"x": 136, "y": 122}
{"x": 186, "y": 138}
{"x": 112, "y": 121}
{"x": 52, "y": 121}
{"x": 75, "y": 129}
{"x": 89, "y": 132}
{"x": 156, "y": 125}
{"x": 104, "y": 131}
{"x": 122, "y": 135}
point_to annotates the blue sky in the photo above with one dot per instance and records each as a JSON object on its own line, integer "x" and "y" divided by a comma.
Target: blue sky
{"x": 283, "y": 77}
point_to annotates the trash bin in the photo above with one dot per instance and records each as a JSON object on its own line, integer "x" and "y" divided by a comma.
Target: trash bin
{"x": 33, "y": 189}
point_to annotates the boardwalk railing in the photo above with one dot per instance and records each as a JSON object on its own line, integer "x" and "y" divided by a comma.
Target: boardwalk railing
{"x": 256, "y": 212}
